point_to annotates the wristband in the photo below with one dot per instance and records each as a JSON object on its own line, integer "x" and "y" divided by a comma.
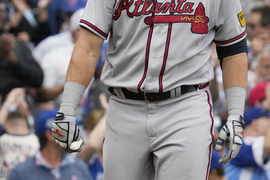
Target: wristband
{"x": 236, "y": 97}
{"x": 29, "y": 16}
{"x": 9, "y": 108}
{"x": 72, "y": 94}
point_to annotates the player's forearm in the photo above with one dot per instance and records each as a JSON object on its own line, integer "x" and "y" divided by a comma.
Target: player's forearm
{"x": 235, "y": 71}
{"x": 235, "y": 82}
{"x": 81, "y": 70}
{"x": 84, "y": 58}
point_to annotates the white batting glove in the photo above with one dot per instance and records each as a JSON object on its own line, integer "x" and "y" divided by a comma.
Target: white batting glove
{"x": 66, "y": 133}
{"x": 231, "y": 134}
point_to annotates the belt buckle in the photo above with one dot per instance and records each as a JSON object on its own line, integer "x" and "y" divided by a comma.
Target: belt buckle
{"x": 145, "y": 97}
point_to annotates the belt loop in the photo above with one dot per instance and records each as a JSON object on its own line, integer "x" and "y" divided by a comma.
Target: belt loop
{"x": 119, "y": 93}
{"x": 173, "y": 93}
{"x": 178, "y": 91}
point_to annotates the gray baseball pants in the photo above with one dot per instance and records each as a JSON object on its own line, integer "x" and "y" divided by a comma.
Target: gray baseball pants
{"x": 166, "y": 140}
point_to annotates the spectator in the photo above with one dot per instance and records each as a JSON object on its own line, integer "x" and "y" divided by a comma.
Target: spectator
{"x": 258, "y": 95}
{"x": 258, "y": 30}
{"x": 51, "y": 43}
{"x": 261, "y": 69}
{"x": 51, "y": 162}
{"x": 258, "y": 21}
{"x": 64, "y": 38}
{"x": 18, "y": 68}
{"x": 92, "y": 150}
{"x": 16, "y": 142}
{"x": 55, "y": 63}
{"x": 30, "y": 20}
{"x": 55, "y": 16}
{"x": 68, "y": 7}
{"x": 247, "y": 5}
{"x": 263, "y": 65}
{"x": 252, "y": 161}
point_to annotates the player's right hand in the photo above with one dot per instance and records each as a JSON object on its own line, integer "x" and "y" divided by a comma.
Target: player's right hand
{"x": 66, "y": 132}
{"x": 231, "y": 134}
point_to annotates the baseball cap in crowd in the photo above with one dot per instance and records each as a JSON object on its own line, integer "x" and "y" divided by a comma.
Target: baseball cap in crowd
{"x": 254, "y": 113}
{"x": 44, "y": 120}
{"x": 257, "y": 93}
{"x": 214, "y": 161}
{"x": 70, "y": 6}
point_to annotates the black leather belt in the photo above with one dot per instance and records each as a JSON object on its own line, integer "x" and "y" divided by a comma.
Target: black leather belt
{"x": 150, "y": 97}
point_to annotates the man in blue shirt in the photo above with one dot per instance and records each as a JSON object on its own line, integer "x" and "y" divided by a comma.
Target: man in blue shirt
{"x": 252, "y": 162}
{"x": 51, "y": 162}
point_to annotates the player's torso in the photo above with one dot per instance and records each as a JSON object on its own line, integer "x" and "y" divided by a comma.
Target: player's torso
{"x": 164, "y": 44}
{"x": 156, "y": 45}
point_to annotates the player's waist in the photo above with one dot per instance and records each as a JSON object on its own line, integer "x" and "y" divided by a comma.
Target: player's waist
{"x": 151, "y": 97}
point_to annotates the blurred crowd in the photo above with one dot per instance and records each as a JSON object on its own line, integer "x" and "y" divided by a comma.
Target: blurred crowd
{"x": 37, "y": 38}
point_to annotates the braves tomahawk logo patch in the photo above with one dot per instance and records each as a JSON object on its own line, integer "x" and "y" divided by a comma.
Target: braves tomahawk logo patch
{"x": 199, "y": 21}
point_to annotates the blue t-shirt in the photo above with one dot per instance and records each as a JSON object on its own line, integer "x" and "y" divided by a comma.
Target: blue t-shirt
{"x": 249, "y": 163}
{"x": 35, "y": 168}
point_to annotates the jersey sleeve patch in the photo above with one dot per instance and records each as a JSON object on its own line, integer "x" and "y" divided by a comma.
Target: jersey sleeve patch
{"x": 241, "y": 19}
{"x": 93, "y": 28}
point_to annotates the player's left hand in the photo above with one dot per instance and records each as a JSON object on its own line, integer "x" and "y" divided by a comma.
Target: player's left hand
{"x": 232, "y": 134}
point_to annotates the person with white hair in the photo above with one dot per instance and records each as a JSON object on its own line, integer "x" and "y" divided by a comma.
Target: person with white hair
{"x": 55, "y": 62}
{"x": 263, "y": 65}
{"x": 260, "y": 71}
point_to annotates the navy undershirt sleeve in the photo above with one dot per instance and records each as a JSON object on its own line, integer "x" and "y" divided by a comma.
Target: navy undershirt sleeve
{"x": 226, "y": 51}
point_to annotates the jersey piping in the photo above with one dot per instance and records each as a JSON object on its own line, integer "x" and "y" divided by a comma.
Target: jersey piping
{"x": 233, "y": 39}
{"x": 211, "y": 130}
{"x": 165, "y": 56}
{"x": 146, "y": 58}
{"x": 147, "y": 54}
{"x": 89, "y": 25}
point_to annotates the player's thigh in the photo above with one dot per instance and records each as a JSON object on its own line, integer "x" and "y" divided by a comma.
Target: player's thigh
{"x": 183, "y": 149}
{"x": 126, "y": 150}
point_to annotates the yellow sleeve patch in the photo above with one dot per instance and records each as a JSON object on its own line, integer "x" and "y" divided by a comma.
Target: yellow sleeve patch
{"x": 242, "y": 19}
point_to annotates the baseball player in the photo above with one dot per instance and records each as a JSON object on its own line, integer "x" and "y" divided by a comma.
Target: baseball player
{"x": 159, "y": 121}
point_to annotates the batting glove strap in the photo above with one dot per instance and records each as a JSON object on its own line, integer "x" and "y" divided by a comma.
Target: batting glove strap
{"x": 65, "y": 132}
{"x": 231, "y": 134}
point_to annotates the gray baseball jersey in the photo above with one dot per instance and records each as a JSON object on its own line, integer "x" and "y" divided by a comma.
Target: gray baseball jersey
{"x": 155, "y": 46}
